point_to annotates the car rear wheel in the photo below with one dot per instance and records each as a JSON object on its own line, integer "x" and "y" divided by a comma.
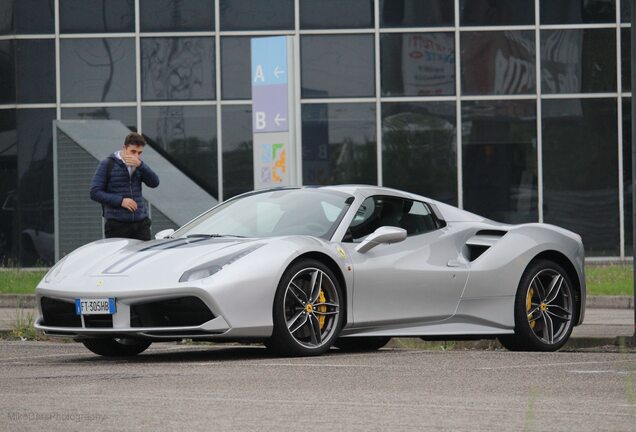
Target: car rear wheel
{"x": 307, "y": 310}
{"x": 116, "y": 347}
{"x": 545, "y": 308}
{"x": 359, "y": 344}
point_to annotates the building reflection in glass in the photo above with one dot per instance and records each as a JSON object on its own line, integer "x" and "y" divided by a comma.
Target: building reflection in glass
{"x": 177, "y": 68}
{"x": 35, "y": 186}
{"x": 419, "y": 148}
{"x": 339, "y": 144}
{"x": 578, "y": 61}
{"x": 499, "y": 155}
{"x": 238, "y": 156}
{"x": 97, "y": 70}
{"x": 498, "y": 62}
{"x": 416, "y": 13}
{"x": 580, "y": 170}
{"x": 418, "y": 64}
{"x": 186, "y": 136}
{"x": 8, "y": 186}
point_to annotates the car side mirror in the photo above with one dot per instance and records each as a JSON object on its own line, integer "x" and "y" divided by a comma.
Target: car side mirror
{"x": 383, "y": 235}
{"x": 164, "y": 234}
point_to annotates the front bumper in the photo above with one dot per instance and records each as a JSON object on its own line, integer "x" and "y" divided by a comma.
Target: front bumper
{"x": 212, "y": 329}
{"x": 156, "y": 317}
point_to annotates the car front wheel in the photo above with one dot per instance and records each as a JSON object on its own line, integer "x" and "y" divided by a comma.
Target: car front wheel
{"x": 545, "y": 308}
{"x": 307, "y": 310}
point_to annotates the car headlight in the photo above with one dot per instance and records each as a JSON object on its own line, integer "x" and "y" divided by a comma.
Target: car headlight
{"x": 210, "y": 268}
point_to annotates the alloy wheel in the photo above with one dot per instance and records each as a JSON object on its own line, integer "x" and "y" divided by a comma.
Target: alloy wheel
{"x": 312, "y": 308}
{"x": 549, "y": 306}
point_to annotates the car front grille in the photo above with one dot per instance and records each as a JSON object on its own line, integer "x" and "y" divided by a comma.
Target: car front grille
{"x": 98, "y": 321}
{"x": 58, "y": 313}
{"x": 178, "y": 312}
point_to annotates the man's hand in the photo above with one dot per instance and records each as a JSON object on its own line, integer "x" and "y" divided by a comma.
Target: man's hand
{"x": 129, "y": 159}
{"x": 129, "y": 204}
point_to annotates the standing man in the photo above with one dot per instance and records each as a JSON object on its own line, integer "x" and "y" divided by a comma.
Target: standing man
{"x": 116, "y": 186}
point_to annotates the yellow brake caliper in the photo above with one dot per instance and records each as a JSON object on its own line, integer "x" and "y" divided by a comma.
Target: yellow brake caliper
{"x": 323, "y": 309}
{"x": 529, "y": 306}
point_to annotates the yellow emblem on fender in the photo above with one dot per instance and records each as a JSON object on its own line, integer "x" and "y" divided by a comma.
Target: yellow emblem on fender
{"x": 100, "y": 283}
{"x": 341, "y": 252}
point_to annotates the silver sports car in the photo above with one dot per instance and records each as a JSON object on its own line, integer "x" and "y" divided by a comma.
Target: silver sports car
{"x": 304, "y": 269}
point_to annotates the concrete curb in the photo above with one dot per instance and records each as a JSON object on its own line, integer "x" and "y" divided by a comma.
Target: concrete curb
{"x": 593, "y": 302}
{"x": 610, "y": 302}
{"x": 13, "y": 301}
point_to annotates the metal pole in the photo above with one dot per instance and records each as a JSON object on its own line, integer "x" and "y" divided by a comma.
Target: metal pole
{"x": 633, "y": 116}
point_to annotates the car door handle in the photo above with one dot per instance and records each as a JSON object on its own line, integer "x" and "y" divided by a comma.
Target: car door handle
{"x": 454, "y": 263}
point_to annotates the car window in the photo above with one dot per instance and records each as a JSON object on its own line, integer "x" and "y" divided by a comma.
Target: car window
{"x": 267, "y": 216}
{"x": 331, "y": 211}
{"x": 376, "y": 211}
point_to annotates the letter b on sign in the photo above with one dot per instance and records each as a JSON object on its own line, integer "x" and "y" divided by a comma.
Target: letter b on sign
{"x": 260, "y": 120}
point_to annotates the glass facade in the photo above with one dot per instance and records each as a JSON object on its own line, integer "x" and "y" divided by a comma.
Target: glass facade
{"x": 498, "y": 62}
{"x": 35, "y": 63}
{"x": 97, "y": 16}
{"x": 177, "y": 68}
{"x": 496, "y": 12}
{"x": 499, "y": 146}
{"x": 186, "y": 136}
{"x": 578, "y": 61}
{"x": 97, "y": 70}
{"x": 337, "y": 66}
{"x": 171, "y": 15}
{"x": 476, "y": 106}
{"x": 339, "y": 144}
{"x": 419, "y": 148}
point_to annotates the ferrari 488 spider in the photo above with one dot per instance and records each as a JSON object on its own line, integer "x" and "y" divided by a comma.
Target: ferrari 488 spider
{"x": 304, "y": 269}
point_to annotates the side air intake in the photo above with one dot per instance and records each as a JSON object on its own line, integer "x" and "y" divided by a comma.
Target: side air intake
{"x": 482, "y": 241}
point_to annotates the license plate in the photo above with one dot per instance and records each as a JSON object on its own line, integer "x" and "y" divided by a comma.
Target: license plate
{"x": 98, "y": 306}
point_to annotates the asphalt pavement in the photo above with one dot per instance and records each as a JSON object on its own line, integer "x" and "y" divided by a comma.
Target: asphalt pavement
{"x": 61, "y": 387}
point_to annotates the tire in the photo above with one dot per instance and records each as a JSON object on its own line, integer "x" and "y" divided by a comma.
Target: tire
{"x": 307, "y": 310}
{"x": 544, "y": 309}
{"x": 116, "y": 347}
{"x": 361, "y": 344}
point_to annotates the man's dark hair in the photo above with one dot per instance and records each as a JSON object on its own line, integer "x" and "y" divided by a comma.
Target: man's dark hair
{"x": 134, "y": 138}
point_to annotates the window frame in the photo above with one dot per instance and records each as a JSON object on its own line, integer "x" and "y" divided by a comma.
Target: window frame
{"x": 439, "y": 223}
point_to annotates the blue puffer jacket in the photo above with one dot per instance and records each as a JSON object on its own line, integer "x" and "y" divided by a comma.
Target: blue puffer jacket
{"x": 111, "y": 193}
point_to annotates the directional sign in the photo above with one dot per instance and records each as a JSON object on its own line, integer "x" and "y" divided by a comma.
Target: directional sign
{"x": 272, "y": 107}
{"x": 270, "y": 111}
{"x": 270, "y": 77}
{"x": 269, "y": 61}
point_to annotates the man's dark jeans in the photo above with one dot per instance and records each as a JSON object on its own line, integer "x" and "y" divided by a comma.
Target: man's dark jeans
{"x": 139, "y": 230}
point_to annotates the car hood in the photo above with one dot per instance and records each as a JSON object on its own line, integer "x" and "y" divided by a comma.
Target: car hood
{"x": 156, "y": 259}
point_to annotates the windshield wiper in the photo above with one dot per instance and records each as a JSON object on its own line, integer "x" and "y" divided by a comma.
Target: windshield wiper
{"x": 213, "y": 235}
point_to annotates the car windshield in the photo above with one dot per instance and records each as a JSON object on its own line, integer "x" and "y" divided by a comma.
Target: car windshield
{"x": 274, "y": 213}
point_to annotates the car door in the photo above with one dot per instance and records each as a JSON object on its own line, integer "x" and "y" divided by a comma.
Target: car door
{"x": 416, "y": 280}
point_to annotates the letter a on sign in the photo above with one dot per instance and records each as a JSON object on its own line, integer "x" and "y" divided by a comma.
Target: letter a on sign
{"x": 258, "y": 74}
